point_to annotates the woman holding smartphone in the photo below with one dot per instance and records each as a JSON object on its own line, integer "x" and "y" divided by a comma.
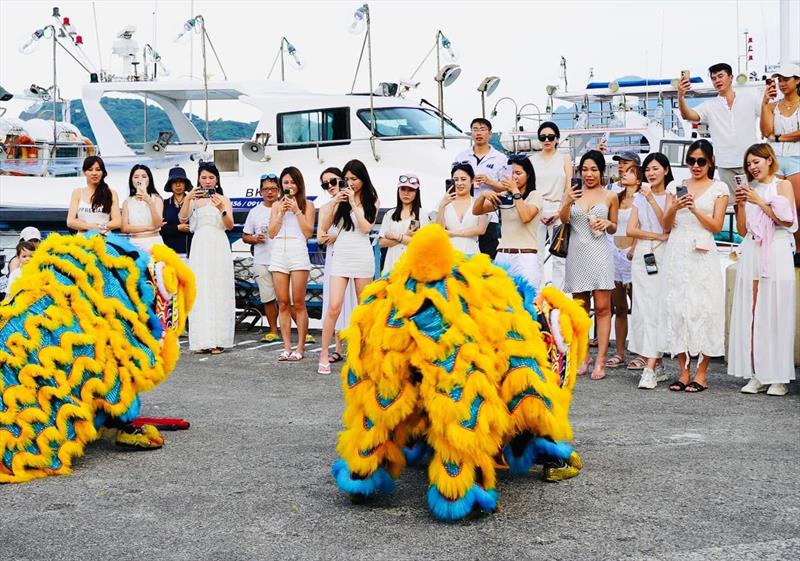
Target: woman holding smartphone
{"x": 693, "y": 287}
{"x": 455, "y": 211}
{"x": 761, "y": 342}
{"x": 519, "y": 219}
{"x": 354, "y": 213}
{"x": 331, "y": 181}
{"x": 401, "y": 223}
{"x": 94, "y": 207}
{"x": 209, "y": 214}
{"x": 142, "y": 211}
{"x": 291, "y": 223}
{"x": 646, "y": 226}
{"x": 590, "y": 210}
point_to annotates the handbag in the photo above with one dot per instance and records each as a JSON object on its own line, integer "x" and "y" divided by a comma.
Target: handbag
{"x": 560, "y": 243}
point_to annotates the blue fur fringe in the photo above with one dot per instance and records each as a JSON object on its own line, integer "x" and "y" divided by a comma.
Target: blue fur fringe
{"x": 379, "y": 482}
{"x": 452, "y": 511}
{"x": 419, "y": 453}
{"x": 534, "y": 449}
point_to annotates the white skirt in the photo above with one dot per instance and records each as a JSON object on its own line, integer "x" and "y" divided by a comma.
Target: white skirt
{"x": 646, "y": 323}
{"x": 353, "y": 256}
{"x": 350, "y": 300}
{"x": 773, "y": 327}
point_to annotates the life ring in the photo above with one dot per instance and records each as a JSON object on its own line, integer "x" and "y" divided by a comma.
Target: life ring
{"x": 21, "y": 148}
{"x": 89, "y": 146}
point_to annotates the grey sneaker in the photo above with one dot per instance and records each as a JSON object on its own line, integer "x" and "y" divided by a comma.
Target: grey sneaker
{"x": 778, "y": 389}
{"x": 754, "y": 386}
{"x": 648, "y": 380}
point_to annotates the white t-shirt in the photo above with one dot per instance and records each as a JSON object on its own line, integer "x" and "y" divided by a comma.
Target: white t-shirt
{"x": 733, "y": 130}
{"x": 490, "y": 165}
{"x": 389, "y": 226}
{"x": 257, "y": 222}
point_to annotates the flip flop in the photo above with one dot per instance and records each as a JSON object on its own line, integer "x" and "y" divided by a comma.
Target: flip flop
{"x": 284, "y": 356}
{"x": 324, "y": 368}
{"x": 217, "y": 351}
{"x": 695, "y": 387}
{"x": 677, "y": 386}
{"x": 335, "y": 357}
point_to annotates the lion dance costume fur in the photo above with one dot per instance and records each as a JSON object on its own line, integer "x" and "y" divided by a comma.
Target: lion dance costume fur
{"x": 90, "y": 324}
{"x": 450, "y": 355}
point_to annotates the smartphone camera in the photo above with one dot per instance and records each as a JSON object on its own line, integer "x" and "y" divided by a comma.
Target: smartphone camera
{"x": 210, "y": 193}
{"x": 287, "y": 193}
{"x": 342, "y": 183}
{"x": 413, "y": 225}
{"x": 681, "y": 191}
{"x": 506, "y": 200}
{"x": 650, "y": 263}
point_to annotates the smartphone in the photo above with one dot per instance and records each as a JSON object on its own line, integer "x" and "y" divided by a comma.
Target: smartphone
{"x": 342, "y": 183}
{"x": 606, "y": 136}
{"x": 413, "y": 226}
{"x": 740, "y": 180}
{"x": 685, "y": 75}
{"x": 287, "y": 193}
{"x": 210, "y": 193}
{"x": 577, "y": 184}
{"x": 681, "y": 191}
{"x": 141, "y": 186}
{"x": 449, "y": 186}
{"x": 650, "y": 263}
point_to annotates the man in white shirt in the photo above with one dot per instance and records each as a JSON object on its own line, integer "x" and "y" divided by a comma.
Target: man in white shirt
{"x": 255, "y": 234}
{"x": 731, "y": 119}
{"x": 487, "y": 163}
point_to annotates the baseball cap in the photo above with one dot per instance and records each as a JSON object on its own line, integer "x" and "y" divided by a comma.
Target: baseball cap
{"x": 30, "y": 233}
{"x": 628, "y": 157}
{"x": 787, "y": 70}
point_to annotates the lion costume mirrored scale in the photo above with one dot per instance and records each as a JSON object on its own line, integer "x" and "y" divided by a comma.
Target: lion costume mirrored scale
{"x": 90, "y": 324}
{"x": 451, "y": 360}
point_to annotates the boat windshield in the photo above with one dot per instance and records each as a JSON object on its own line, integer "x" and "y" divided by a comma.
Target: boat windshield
{"x": 407, "y": 121}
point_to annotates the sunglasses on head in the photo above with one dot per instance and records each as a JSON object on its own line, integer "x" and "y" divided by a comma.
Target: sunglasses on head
{"x": 699, "y": 161}
{"x": 547, "y": 137}
{"x": 410, "y": 179}
{"x": 517, "y": 158}
{"x": 271, "y": 176}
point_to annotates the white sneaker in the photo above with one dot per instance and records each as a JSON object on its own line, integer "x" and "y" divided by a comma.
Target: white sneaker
{"x": 661, "y": 374}
{"x": 648, "y": 380}
{"x": 778, "y": 389}
{"x": 754, "y": 386}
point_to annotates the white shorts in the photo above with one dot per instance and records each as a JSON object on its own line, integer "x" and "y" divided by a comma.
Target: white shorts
{"x": 525, "y": 265}
{"x": 289, "y": 254}
{"x": 266, "y": 288}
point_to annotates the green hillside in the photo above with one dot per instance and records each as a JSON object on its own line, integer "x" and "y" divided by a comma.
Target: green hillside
{"x": 128, "y": 115}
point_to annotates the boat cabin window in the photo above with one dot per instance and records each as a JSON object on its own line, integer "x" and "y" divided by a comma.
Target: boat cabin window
{"x": 302, "y": 129}
{"x": 226, "y": 160}
{"x": 407, "y": 121}
{"x": 617, "y": 142}
{"x": 674, "y": 151}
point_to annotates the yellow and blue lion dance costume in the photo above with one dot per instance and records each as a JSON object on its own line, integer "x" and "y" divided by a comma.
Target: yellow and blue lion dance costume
{"x": 90, "y": 324}
{"x": 452, "y": 360}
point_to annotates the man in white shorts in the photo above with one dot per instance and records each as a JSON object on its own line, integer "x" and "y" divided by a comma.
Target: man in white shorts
{"x": 255, "y": 234}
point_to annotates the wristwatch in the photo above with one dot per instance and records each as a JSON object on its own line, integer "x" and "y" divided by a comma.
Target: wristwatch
{"x": 776, "y": 137}
{"x": 516, "y": 196}
{"x": 224, "y": 213}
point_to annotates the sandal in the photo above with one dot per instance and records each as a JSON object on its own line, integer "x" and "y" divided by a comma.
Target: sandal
{"x": 593, "y": 342}
{"x": 615, "y": 361}
{"x": 202, "y": 351}
{"x": 294, "y": 356}
{"x": 336, "y": 357}
{"x": 600, "y": 376}
{"x": 695, "y": 387}
{"x": 217, "y": 351}
{"x": 677, "y": 386}
{"x": 638, "y": 363}
{"x": 284, "y": 356}
{"x": 324, "y": 368}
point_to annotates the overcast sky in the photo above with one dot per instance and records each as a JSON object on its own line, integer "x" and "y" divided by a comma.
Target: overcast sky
{"x": 521, "y": 42}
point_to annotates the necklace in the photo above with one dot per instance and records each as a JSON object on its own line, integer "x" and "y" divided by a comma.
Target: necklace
{"x": 176, "y": 202}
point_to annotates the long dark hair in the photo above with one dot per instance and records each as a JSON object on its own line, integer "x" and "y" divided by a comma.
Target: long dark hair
{"x": 466, "y": 167}
{"x": 335, "y": 171}
{"x": 708, "y": 151}
{"x": 527, "y": 167}
{"x": 597, "y": 157}
{"x": 211, "y": 168}
{"x": 297, "y": 177}
{"x": 151, "y": 188}
{"x": 102, "y": 198}
{"x": 369, "y": 197}
{"x": 663, "y": 162}
{"x": 416, "y": 205}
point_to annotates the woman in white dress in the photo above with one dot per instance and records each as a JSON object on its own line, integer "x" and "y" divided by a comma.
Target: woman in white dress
{"x": 646, "y": 226}
{"x": 142, "y": 211}
{"x": 354, "y": 213}
{"x": 553, "y": 177}
{"x": 762, "y": 329}
{"x": 95, "y": 207}
{"x": 209, "y": 214}
{"x": 622, "y": 247}
{"x": 291, "y": 223}
{"x": 693, "y": 287}
{"x": 401, "y": 222}
{"x": 590, "y": 210}
{"x": 455, "y": 211}
{"x": 331, "y": 179}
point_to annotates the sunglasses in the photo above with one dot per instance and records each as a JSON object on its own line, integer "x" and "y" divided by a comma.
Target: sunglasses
{"x": 271, "y": 176}
{"x": 547, "y": 137}
{"x": 410, "y": 179}
{"x": 517, "y": 158}
{"x": 699, "y": 161}
{"x": 332, "y": 182}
